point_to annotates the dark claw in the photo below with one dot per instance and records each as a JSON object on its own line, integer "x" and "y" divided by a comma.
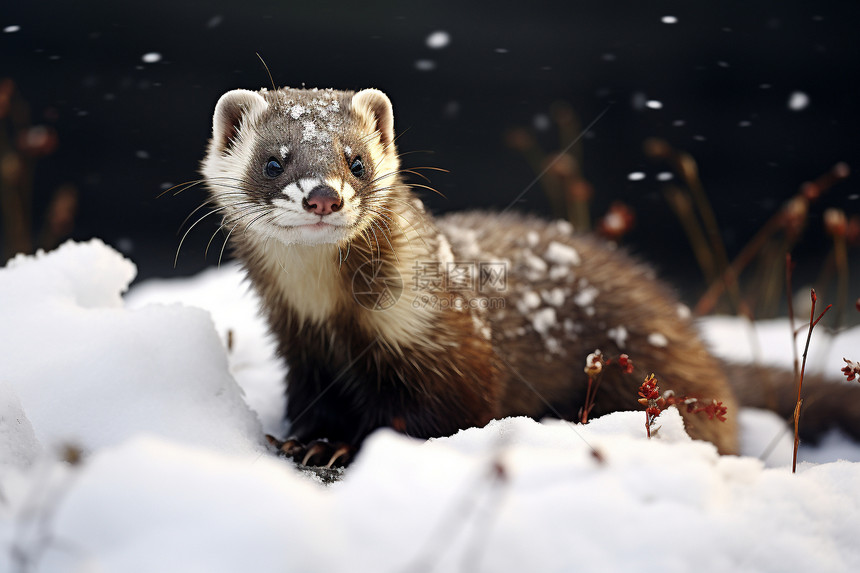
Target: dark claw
{"x": 318, "y": 453}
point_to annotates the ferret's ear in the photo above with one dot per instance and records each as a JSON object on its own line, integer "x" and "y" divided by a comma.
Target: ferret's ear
{"x": 376, "y": 107}
{"x": 235, "y": 109}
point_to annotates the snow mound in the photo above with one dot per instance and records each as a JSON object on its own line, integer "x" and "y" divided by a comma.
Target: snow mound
{"x": 91, "y": 373}
{"x": 235, "y": 311}
{"x": 93, "y": 274}
{"x": 518, "y": 496}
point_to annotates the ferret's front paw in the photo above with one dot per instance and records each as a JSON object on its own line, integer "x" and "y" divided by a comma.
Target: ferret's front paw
{"x": 318, "y": 453}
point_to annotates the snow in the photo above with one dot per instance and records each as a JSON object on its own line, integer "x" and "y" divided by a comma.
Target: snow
{"x": 554, "y": 297}
{"x": 658, "y": 339}
{"x": 561, "y": 254}
{"x": 586, "y": 296}
{"x": 529, "y": 301}
{"x": 636, "y": 176}
{"x": 543, "y": 320}
{"x": 541, "y": 122}
{"x": 73, "y": 355}
{"x": 798, "y": 101}
{"x": 738, "y": 339}
{"x": 438, "y": 39}
{"x": 619, "y": 335}
{"x": 151, "y": 57}
{"x": 536, "y": 265}
{"x": 174, "y": 476}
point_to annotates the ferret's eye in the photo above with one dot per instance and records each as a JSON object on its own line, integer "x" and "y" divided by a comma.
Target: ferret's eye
{"x": 357, "y": 167}
{"x": 273, "y": 168}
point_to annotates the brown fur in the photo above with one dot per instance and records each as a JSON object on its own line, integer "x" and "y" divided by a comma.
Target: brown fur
{"x": 628, "y": 296}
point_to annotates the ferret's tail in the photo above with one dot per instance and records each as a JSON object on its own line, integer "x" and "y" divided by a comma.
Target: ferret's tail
{"x": 827, "y": 404}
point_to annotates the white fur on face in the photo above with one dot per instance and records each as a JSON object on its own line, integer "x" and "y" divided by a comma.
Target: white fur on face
{"x": 298, "y": 190}
{"x": 290, "y": 223}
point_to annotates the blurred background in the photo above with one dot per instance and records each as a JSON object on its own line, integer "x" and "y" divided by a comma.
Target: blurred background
{"x": 706, "y": 122}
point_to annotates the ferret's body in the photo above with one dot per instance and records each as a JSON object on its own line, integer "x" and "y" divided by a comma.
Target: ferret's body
{"x": 386, "y": 316}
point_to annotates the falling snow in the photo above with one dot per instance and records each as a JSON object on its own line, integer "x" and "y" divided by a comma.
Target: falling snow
{"x": 151, "y": 57}
{"x": 636, "y": 176}
{"x": 541, "y": 122}
{"x": 798, "y": 101}
{"x": 669, "y": 19}
{"x": 438, "y": 39}
{"x": 12, "y": 29}
{"x": 425, "y": 65}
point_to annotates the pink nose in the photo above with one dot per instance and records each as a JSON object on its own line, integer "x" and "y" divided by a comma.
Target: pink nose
{"x": 322, "y": 200}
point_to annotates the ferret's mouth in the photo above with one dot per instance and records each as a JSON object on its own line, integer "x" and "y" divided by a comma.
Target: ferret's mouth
{"x": 319, "y": 225}
{"x": 311, "y": 233}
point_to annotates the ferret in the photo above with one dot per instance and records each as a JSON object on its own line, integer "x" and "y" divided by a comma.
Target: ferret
{"x": 387, "y": 316}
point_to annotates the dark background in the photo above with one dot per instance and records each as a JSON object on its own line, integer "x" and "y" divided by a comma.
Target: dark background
{"x": 724, "y": 74}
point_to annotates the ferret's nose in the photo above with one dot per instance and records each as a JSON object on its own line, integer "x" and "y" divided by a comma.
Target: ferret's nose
{"x": 322, "y": 200}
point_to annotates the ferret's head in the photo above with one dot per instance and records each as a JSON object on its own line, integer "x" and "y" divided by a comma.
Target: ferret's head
{"x": 301, "y": 166}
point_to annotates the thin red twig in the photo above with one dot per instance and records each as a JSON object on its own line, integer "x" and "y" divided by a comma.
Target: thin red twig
{"x": 812, "y": 324}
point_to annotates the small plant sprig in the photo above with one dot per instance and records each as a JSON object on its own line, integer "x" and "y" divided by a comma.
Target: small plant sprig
{"x": 812, "y": 322}
{"x": 594, "y": 365}
{"x": 655, "y": 403}
{"x": 852, "y": 370}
